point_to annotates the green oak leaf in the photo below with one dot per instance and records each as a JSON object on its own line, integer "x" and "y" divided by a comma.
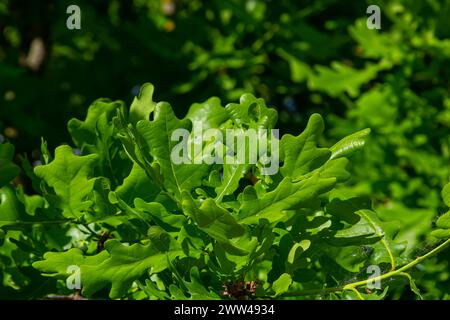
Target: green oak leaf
{"x": 137, "y": 185}
{"x": 97, "y": 135}
{"x": 11, "y": 209}
{"x": 349, "y": 144}
{"x": 282, "y": 284}
{"x": 86, "y": 133}
{"x": 288, "y": 195}
{"x": 199, "y": 290}
{"x": 215, "y": 221}
{"x": 142, "y": 105}
{"x": 70, "y": 177}
{"x": 18, "y": 210}
{"x": 358, "y": 234}
{"x": 168, "y": 221}
{"x": 119, "y": 265}
{"x": 151, "y": 289}
{"x": 158, "y": 135}
{"x": 300, "y": 154}
{"x": 56, "y": 264}
{"x": 251, "y": 112}
{"x": 341, "y": 78}
{"x": 126, "y": 264}
{"x": 210, "y": 113}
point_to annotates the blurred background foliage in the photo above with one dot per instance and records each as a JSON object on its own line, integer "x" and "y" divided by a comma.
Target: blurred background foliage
{"x": 300, "y": 56}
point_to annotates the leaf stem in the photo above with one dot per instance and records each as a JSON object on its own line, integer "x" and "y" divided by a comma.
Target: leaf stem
{"x": 18, "y": 222}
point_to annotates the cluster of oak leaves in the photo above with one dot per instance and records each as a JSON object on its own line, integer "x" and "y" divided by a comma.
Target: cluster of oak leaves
{"x": 136, "y": 226}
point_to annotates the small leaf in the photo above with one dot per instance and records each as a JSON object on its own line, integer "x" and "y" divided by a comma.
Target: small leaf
{"x": 210, "y": 113}
{"x": 349, "y": 144}
{"x": 300, "y": 154}
{"x": 297, "y": 249}
{"x": 85, "y": 133}
{"x": 282, "y": 284}
{"x": 143, "y": 105}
